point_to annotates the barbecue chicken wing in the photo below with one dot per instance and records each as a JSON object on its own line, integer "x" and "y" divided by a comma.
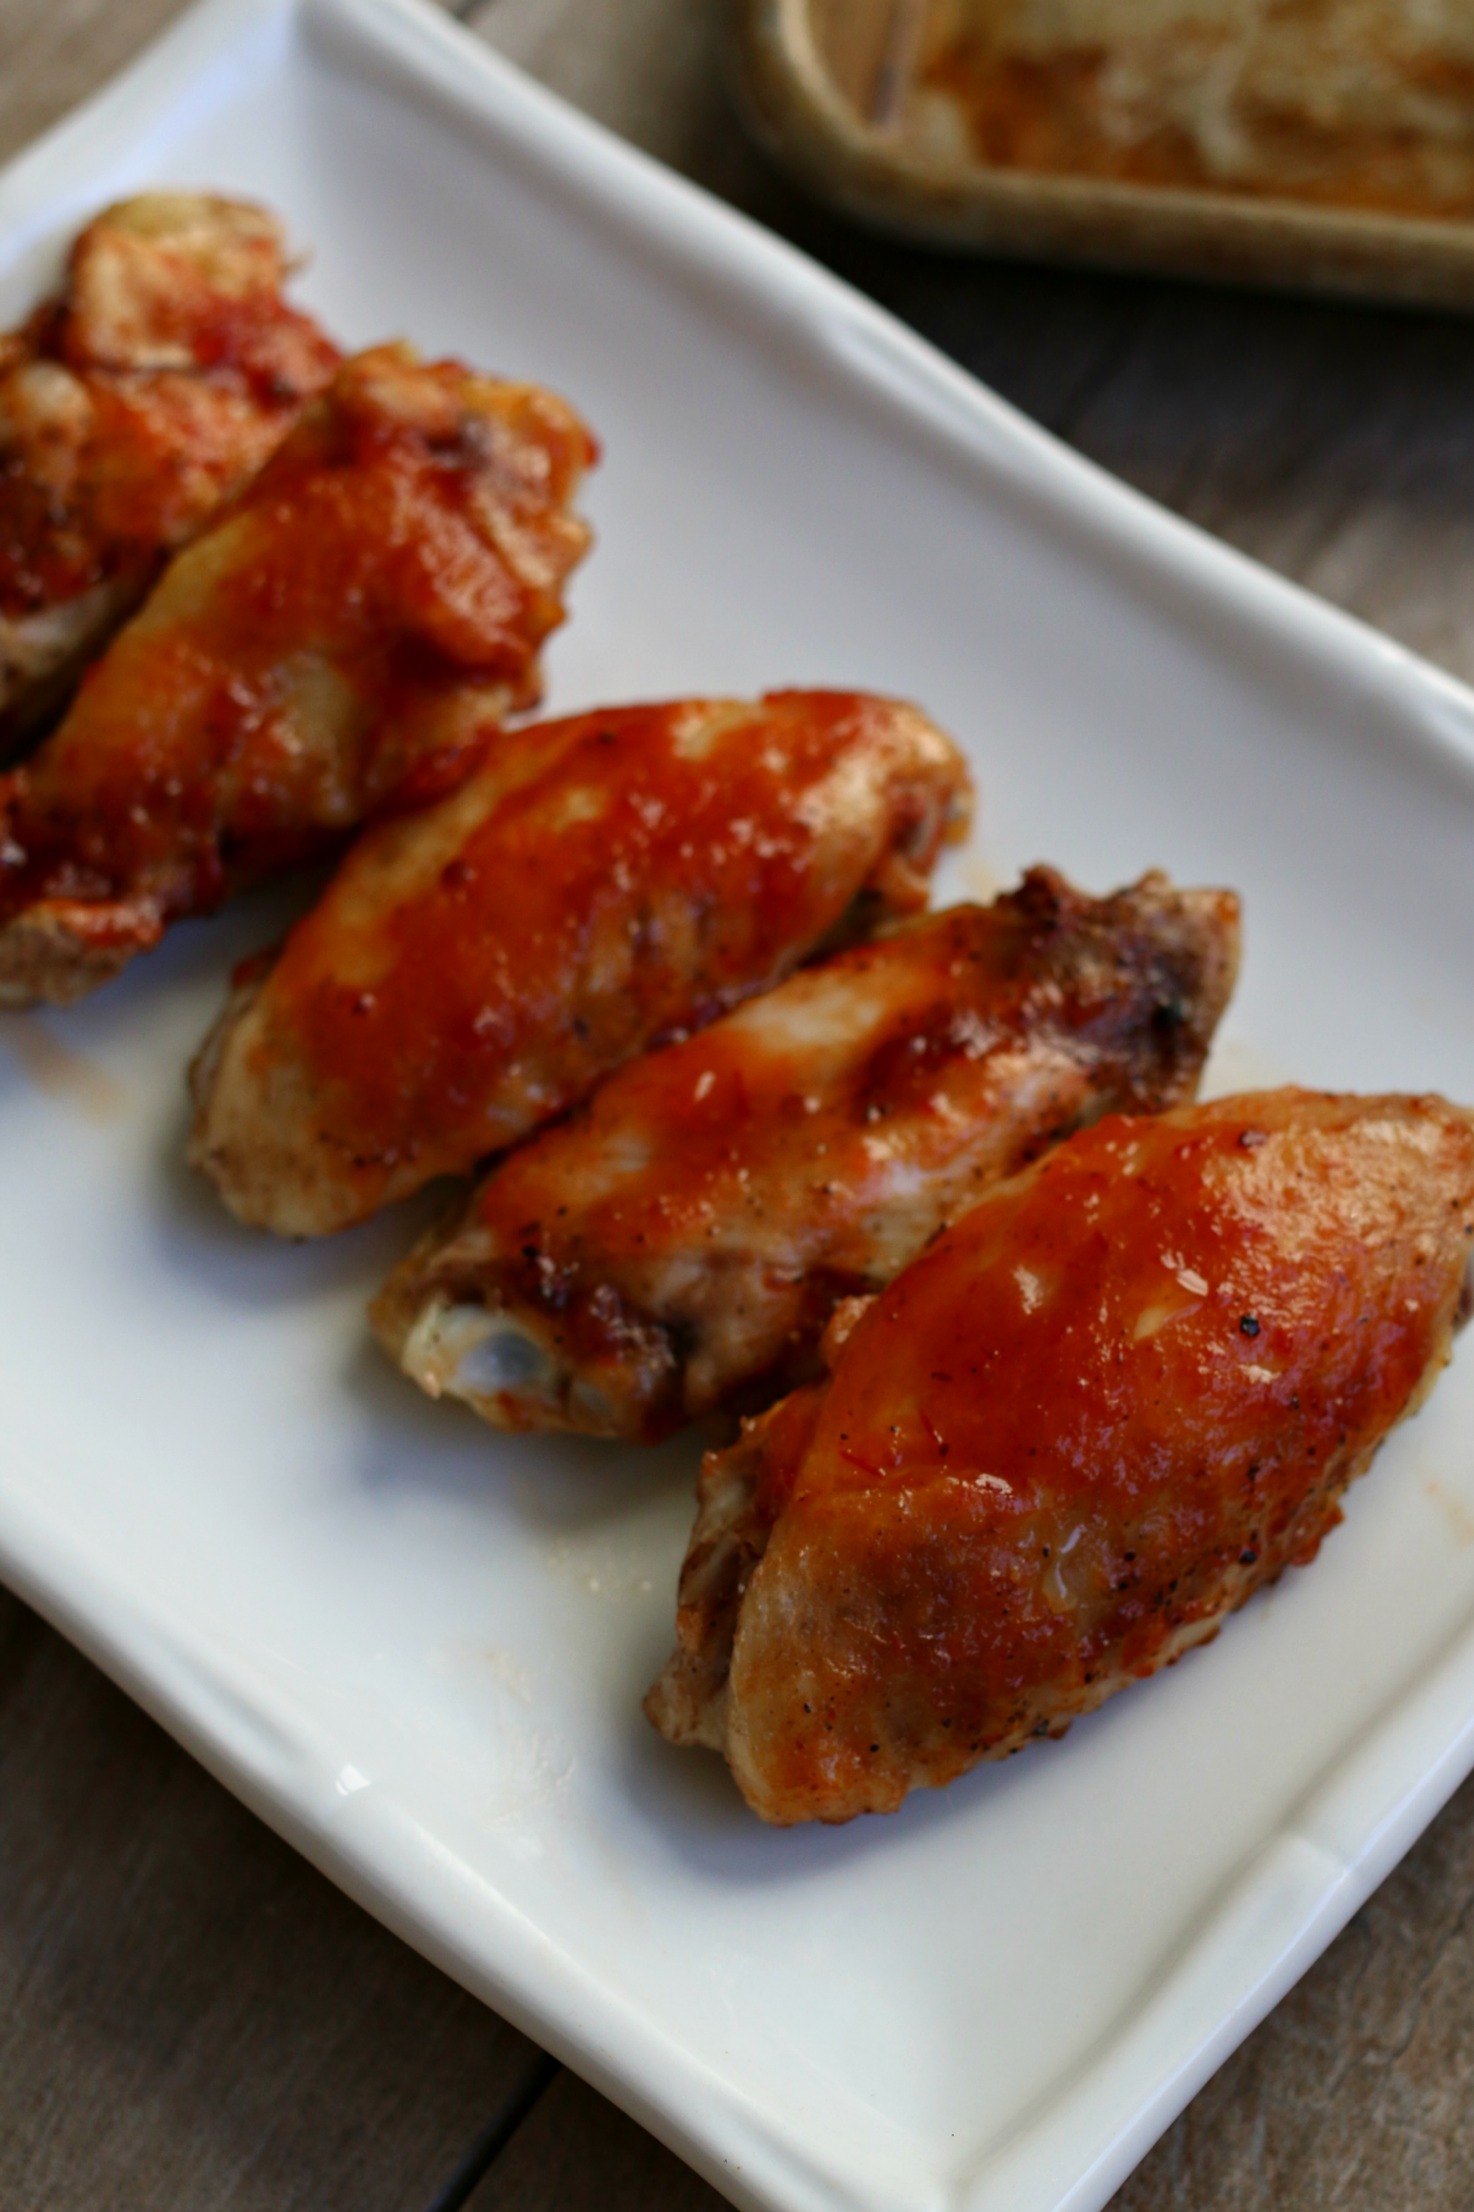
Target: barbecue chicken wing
{"x": 339, "y": 642}
{"x": 1124, "y": 1391}
{"x": 156, "y": 384}
{"x": 603, "y": 883}
{"x": 688, "y": 1236}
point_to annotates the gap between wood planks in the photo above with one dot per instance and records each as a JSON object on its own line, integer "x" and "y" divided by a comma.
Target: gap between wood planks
{"x": 493, "y": 2140}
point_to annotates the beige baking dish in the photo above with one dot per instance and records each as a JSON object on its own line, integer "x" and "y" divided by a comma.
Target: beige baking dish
{"x": 827, "y": 84}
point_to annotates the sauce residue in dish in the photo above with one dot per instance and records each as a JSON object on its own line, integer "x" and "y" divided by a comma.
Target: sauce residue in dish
{"x": 62, "y": 1072}
{"x": 1362, "y": 104}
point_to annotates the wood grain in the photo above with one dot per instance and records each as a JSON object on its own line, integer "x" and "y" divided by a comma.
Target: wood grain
{"x": 652, "y": 70}
{"x": 189, "y": 2017}
{"x": 576, "y": 2153}
{"x": 54, "y": 52}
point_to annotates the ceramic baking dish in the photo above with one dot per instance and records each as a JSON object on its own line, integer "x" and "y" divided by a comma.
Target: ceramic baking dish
{"x": 830, "y": 85}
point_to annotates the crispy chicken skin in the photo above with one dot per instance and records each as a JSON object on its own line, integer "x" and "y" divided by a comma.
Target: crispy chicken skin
{"x": 688, "y": 1235}
{"x": 341, "y": 641}
{"x": 1124, "y": 1391}
{"x": 131, "y": 406}
{"x": 603, "y": 883}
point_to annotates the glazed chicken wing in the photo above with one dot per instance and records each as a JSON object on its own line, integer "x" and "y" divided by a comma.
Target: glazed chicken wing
{"x": 689, "y": 1234}
{"x": 131, "y": 406}
{"x": 602, "y": 883}
{"x": 1124, "y": 1391}
{"x": 341, "y": 641}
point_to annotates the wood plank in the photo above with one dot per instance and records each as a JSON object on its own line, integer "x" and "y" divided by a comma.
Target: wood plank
{"x": 20, "y": 1631}
{"x": 576, "y": 2153}
{"x": 189, "y": 2015}
{"x": 54, "y": 52}
{"x": 653, "y": 70}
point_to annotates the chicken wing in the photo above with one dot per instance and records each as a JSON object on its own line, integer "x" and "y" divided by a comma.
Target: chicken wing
{"x": 689, "y": 1235}
{"x": 1124, "y": 1391}
{"x": 131, "y": 406}
{"x": 342, "y": 640}
{"x": 604, "y": 882}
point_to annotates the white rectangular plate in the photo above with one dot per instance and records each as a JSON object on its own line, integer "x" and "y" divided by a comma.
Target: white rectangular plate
{"x": 419, "y": 1650}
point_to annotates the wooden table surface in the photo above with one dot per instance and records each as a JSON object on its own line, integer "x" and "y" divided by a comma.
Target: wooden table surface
{"x": 190, "y": 2017}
